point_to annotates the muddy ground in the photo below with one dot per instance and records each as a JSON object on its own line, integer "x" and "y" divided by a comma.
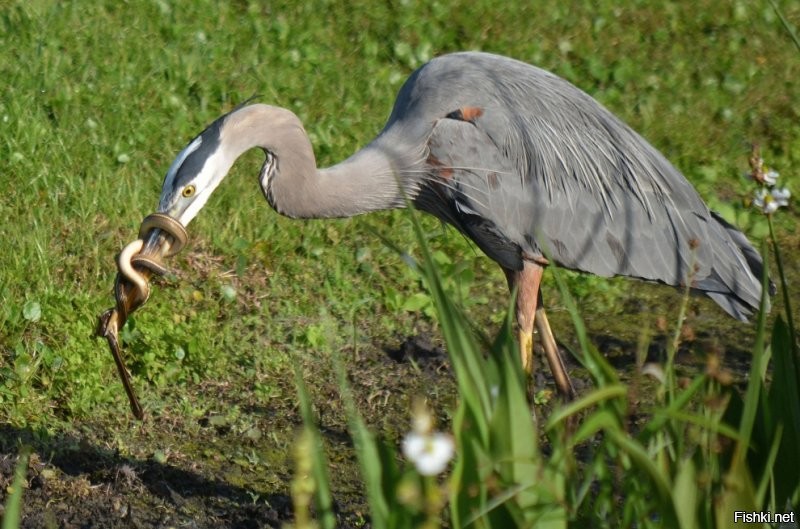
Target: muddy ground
{"x": 234, "y": 470}
{"x": 220, "y": 470}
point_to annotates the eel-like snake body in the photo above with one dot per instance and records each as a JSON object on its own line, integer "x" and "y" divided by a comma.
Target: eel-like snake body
{"x": 136, "y": 263}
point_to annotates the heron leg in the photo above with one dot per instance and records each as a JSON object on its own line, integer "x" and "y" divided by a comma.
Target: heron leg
{"x": 529, "y": 310}
{"x": 526, "y": 282}
{"x": 554, "y": 359}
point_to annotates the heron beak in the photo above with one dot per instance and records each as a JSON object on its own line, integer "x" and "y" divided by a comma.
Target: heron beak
{"x": 156, "y": 245}
{"x": 163, "y": 236}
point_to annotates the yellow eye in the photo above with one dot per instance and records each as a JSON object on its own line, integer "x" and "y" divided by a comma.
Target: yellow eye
{"x": 188, "y": 191}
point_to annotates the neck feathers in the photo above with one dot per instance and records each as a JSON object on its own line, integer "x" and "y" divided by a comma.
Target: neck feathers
{"x": 369, "y": 180}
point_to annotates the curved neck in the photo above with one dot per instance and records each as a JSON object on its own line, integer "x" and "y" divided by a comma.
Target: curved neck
{"x": 369, "y": 180}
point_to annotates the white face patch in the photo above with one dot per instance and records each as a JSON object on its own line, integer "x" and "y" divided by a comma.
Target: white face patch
{"x": 197, "y": 203}
{"x": 214, "y": 170}
{"x": 198, "y": 170}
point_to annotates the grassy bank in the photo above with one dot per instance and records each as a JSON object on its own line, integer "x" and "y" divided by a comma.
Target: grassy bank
{"x": 97, "y": 99}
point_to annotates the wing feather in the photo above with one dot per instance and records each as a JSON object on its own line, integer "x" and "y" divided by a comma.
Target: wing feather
{"x": 546, "y": 170}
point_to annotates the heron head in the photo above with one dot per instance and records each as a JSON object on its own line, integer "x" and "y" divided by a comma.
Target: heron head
{"x": 195, "y": 173}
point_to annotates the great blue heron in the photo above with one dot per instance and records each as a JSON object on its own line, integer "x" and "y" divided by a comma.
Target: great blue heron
{"x": 522, "y": 162}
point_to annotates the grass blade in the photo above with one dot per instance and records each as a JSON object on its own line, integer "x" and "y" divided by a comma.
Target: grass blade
{"x": 766, "y": 476}
{"x": 323, "y": 499}
{"x": 595, "y": 397}
{"x": 656, "y": 424}
{"x": 752, "y": 395}
{"x": 739, "y": 496}
{"x": 685, "y": 495}
{"x": 706, "y": 423}
{"x": 13, "y": 512}
{"x": 789, "y": 29}
{"x": 785, "y": 411}
{"x": 643, "y": 461}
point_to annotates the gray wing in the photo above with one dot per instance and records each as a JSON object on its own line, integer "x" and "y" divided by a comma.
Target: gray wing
{"x": 584, "y": 190}
{"x": 468, "y": 191}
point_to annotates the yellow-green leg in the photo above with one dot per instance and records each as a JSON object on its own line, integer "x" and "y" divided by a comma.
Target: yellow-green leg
{"x": 526, "y": 282}
{"x": 554, "y": 360}
{"x": 529, "y": 310}
{"x": 526, "y": 350}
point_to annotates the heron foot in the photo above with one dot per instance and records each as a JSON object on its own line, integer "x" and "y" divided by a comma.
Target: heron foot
{"x": 526, "y": 351}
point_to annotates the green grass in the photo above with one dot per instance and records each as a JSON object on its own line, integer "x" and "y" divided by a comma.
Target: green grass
{"x": 98, "y": 97}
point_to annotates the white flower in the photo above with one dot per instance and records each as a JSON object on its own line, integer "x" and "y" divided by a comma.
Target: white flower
{"x": 430, "y": 452}
{"x": 781, "y": 196}
{"x": 770, "y": 177}
{"x": 769, "y": 200}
